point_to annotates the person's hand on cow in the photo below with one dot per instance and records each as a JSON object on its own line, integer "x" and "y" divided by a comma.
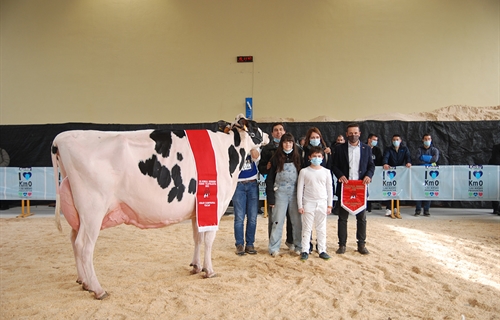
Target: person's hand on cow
{"x": 254, "y": 153}
{"x": 301, "y": 210}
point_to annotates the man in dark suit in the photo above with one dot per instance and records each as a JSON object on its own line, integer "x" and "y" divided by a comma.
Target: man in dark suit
{"x": 352, "y": 161}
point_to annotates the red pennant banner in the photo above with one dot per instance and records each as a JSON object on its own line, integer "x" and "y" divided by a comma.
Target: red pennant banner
{"x": 353, "y": 197}
{"x": 206, "y": 192}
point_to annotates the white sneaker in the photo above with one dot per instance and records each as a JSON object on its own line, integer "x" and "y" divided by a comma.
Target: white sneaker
{"x": 387, "y": 212}
{"x": 275, "y": 254}
{"x": 290, "y": 246}
{"x": 298, "y": 252}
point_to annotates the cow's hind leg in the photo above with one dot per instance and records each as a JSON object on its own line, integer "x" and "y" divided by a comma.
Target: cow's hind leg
{"x": 79, "y": 266}
{"x": 198, "y": 239}
{"x": 84, "y": 244}
{"x": 207, "y": 263}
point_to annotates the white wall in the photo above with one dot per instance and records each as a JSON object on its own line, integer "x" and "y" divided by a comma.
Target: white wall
{"x": 174, "y": 61}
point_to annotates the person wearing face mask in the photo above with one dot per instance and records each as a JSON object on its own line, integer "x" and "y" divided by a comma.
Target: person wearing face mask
{"x": 315, "y": 139}
{"x": 281, "y": 190}
{"x": 352, "y": 161}
{"x": 395, "y": 156}
{"x": 377, "y": 158}
{"x": 268, "y": 151}
{"x": 314, "y": 198}
{"x": 427, "y": 155}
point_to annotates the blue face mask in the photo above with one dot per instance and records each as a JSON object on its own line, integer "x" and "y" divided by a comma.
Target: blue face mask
{"x": 314, "y": 142}
{"x": 316, "y": 161}
{"x": 287, "y": 151}
{"x": 396, "y": 143}
{"x": 427, "y": 143}
{"x": 374, "y": 143}
{"x": 276, "y": 140}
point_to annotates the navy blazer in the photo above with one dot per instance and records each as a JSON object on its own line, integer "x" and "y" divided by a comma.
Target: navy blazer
{"x": 340, "y": 162}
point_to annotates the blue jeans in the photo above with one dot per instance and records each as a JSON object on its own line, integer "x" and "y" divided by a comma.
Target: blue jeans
{"x": 427, "y": 205}
{"x": 245, "y": 202}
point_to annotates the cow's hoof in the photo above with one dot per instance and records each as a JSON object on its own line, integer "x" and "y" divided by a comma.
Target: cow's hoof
{"x": 210, "y": 275}
{"x": 195, "y": 271}
{"x": 84, "y": 287}
{"x": 102, "y": 296}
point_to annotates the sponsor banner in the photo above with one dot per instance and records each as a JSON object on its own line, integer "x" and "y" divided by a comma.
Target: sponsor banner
{"x": 460, "y": 183}
{"x": 476, "y": 182}
{"x": 431, "y": 182}
{"x": 34, "y": 183}
{"x": 393, "y": 183}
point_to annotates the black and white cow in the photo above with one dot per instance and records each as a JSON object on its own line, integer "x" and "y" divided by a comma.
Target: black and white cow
{"x": 145, "y": 178}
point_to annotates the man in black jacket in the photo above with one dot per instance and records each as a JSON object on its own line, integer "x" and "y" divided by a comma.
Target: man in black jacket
{"x": 352, "y": 161}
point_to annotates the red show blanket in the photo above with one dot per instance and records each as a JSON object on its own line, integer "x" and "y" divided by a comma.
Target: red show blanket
{"x": 353, "y": 196}
{"x": 206, "y": 190}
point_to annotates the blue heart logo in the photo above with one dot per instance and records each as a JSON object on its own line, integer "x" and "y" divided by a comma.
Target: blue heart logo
{"x": 432, "y": 194}
{"x": 27, "y": 175}
{"x": 477, "y": 174}
{"x": 391, "y": 174}
{"x": 475, "y": 194}
{"x": 389, "y": 193}
{"x": 434, "y": 174}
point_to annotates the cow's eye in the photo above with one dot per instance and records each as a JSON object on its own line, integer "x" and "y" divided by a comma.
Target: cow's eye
{"x": 251, "y": 134}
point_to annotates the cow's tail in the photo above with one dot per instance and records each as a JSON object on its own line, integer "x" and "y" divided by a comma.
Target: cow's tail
{"x": 55, "y": 166}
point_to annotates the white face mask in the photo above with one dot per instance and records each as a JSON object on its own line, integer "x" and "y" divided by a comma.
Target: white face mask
{"x": 396, "y": 143}
{"x": 314, "y": 142}
{"x": 374, "y": 143}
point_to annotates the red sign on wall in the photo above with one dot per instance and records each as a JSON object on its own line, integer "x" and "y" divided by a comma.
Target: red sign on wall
{"x": 244, "y": 59}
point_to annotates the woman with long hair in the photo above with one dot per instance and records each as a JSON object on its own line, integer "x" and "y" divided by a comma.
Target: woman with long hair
{"x": 315, "y": 139}
{"x": 281, "y": 190}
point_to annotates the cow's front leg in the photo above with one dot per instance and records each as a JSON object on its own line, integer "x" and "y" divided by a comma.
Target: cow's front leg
{"x": 198, "y": 238}
{"x": 207, "y": 263}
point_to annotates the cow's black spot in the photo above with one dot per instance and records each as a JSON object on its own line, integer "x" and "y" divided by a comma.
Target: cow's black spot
{"x": 243, "y": 158}
{"x": 233, "y": 159}
{"x": 179, "y": 156}
{"x": 237, "y": 138}
{"x": 192, "y": 186}
{"x": 163, "y": 139}
{"x": 54, "y": 149}
{"x": 153, "y": 168}
{"x": 179, "y": 133}
{"x": 178, "y": 189}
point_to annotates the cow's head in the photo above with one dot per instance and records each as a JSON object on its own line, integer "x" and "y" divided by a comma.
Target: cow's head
{"x": 250, "y": 127}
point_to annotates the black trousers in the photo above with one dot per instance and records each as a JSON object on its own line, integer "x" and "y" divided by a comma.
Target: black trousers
{"x": 289, "y": 231}
{"x": 495, "y": 205}
{"x": 360, "y": 227}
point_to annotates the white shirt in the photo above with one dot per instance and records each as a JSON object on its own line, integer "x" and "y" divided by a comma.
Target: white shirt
{"x": 314, "y": 185}
{"x": 354, "y": 156}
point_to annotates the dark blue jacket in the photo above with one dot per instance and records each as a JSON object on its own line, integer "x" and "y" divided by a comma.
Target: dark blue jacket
{"x": 340, "y": 162}
{"x": 397, "y": 158}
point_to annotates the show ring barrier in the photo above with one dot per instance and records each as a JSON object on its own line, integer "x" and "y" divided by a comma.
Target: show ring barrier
{"x": 443, "y": 183}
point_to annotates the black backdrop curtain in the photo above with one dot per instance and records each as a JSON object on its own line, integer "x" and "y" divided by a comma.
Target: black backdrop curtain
{"x": 460, "y": 142}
